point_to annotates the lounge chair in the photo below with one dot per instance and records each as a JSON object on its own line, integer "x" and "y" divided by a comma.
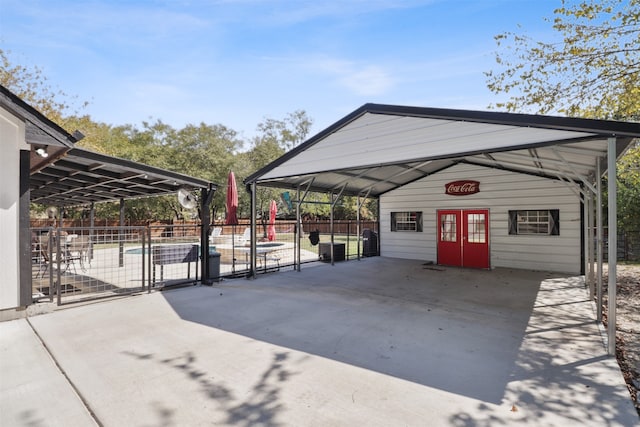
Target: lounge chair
{"x": 216, "y": 232}
{"x": 245, "y": 238}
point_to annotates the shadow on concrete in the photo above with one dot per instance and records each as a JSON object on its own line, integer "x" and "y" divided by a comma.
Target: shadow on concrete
{"x": 261, "y": 407}
{"x": 453, "y": 329}
{"x": 562, "y": 374}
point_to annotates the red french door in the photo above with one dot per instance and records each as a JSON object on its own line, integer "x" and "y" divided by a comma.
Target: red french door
{"x": 463, "y": 238}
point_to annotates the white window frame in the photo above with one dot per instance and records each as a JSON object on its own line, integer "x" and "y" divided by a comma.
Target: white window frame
{"x": 406, "y": 221}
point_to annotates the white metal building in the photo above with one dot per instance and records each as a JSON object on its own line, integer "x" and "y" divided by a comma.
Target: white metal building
{"x": 470, "y": 188}
{"x": 500, "y": 192}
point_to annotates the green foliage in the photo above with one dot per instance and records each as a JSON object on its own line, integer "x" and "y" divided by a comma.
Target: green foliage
{"x": 31, "y": 85}
{"x": 629, "y": 190}
{"x": 288, "y": 132}
{"x": 275, "y": 138}
{"x": 204, "y": 151}
{"x": 593, "y": 71}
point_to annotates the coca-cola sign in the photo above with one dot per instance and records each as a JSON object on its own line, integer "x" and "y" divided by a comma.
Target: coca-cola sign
{"x": 462, "y": 188}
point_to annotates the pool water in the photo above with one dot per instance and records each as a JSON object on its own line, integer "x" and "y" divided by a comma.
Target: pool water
{"x": 269, "y": 245}
{"x": 140, "y": 251}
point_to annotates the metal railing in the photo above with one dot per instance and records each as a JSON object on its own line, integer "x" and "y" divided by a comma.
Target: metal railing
{"x": 628, "y": 246}
{"x": 73, "y": 264}
{"x": 95, "y": 262}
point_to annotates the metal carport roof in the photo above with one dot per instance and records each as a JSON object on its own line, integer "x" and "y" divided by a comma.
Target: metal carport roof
{"x": 80, "y": 177}
{"x": 68, "y": 175}
{"x": 378, "y": 148}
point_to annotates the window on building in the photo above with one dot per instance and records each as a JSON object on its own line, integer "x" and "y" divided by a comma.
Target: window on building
{"x": 535, "y": 222}
{"x": 406, "y": 221}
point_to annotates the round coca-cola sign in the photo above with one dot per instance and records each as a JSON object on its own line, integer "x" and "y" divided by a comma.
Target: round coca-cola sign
{"x": 462, "y": 188}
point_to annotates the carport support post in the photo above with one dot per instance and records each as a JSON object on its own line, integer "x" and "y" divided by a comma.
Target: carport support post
{"x": 205, "y": 209}
{"x": 599, "y": 239}
{"x": 298, "y": 253}
{"x": 585, "y": 233}
{"x": 592, "y": 290}
{"x": 331, "y": 226}
{"x": 121, "y": 236}
{"x": 92, "y": 224}
{"x": 358, "y": 226}
{"x": 252, "y": 273}
{"x": 613, "y": 245}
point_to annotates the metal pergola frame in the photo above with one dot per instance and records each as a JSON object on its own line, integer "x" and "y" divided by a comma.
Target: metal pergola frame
{"x": 77, "y": 177}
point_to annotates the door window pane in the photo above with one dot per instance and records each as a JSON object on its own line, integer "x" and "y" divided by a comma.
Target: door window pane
{"x": 448, "y": 228}
{"x": 476, "y": 228}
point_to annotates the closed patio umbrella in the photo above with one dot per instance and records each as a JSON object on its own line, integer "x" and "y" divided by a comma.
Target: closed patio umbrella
{"x": 232, "y": 200}
{"x": 271, "y": 230}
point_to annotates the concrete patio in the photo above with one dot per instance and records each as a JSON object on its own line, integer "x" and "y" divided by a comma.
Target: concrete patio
{"x": 377, "y": 342}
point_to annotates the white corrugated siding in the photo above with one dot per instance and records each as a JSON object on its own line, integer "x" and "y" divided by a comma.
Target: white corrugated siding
{"x": 500, "y": 191}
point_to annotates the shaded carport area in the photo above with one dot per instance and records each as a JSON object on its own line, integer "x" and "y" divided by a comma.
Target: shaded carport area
{"x": 378, "y": 148}
{"x": 371, "y": 342}
{"x": 74, "y": 177}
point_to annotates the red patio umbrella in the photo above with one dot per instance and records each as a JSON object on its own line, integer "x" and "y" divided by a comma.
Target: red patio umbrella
{"x": 271, "y": 230}
{"x": 232, "y": 200}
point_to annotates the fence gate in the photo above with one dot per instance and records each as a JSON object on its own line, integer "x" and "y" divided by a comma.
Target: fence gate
{"x": 82, "y": 263}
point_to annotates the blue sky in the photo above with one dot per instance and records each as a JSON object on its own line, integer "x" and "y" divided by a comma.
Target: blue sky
{"x": 237, "y": 62}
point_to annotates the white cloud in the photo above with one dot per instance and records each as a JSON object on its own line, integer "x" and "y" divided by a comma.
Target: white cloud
{"x": 359, "y": 78}
{"x": 367, "y": 81}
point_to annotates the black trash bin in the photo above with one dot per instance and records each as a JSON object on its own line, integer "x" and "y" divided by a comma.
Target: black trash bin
{"x": 214, "y": 265}
{"x": 369, "y": 243}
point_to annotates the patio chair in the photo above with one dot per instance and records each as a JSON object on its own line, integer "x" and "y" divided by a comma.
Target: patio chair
{"x": 245, "y": 238}
{"x": 216, "y": 232}
{"x": 78, "y": 250}
{"x": 51, "y": 256}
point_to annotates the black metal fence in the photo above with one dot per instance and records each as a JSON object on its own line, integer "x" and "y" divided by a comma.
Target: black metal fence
{"x": 628, "y": 243}
{"x": 78, "y": 263}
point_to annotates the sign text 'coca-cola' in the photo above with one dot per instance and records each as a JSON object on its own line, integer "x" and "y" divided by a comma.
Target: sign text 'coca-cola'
{"x": 462, "y": 188}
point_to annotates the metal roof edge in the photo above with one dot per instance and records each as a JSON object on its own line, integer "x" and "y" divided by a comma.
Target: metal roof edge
{"x": 307, "y": 144}
{"x": 24, "y": 111}
{"x": 103, "y": 158}
{"x": 601, "y": 127}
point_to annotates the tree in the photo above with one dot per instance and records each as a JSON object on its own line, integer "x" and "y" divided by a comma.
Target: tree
{"x": 32, "y": 86}
{"x": 288, "y": 132}
{"x": 277, "y": 136}
{"x": 628, "y": 181}
{"x": 593, "y": 71}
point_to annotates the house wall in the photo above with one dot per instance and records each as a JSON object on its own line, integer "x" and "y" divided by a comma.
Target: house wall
{"x": 500, "y": 191}
{"x": 12, "y": 140}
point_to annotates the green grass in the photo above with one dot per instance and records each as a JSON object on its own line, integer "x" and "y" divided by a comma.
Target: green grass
{"x": 351, "y": 247}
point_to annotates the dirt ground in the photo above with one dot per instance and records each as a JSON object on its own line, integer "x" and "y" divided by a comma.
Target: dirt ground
{"x": 627, "y": 325}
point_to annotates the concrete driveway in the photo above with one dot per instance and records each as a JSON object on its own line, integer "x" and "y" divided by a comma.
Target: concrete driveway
{"x": 377, "y": 342}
